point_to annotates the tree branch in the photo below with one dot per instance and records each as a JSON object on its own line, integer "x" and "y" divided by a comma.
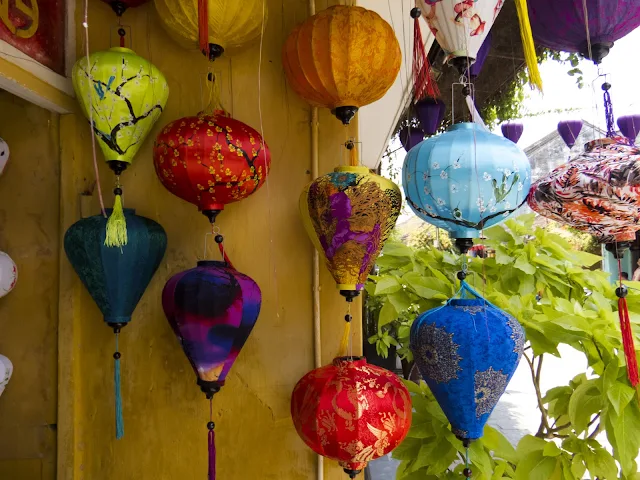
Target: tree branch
{"x": 535, "y": 376}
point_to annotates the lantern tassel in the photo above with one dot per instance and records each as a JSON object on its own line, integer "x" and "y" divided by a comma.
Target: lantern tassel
{"x": 628, "y": 343}
{"x": 118, "y": 394}
{"x": 353, "y": 154}
{"x": 346, "y": 335}
{"x": 423, "y": 82}
{"x": 203, "y": 26}
{"x": 535, "y": 80}
{"x": 117, "y": 224}
{"x": 212, "y": 454}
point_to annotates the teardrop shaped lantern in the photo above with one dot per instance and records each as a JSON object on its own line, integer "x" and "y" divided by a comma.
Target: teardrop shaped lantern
{"x": 6, "y": 370}
{"x": 4, "y": 155}
{"x": 122, "y": 95}
{"x": 512, "y": 130}
{"x": 430, "y": 112}
{"x": 213, "y": 26}
{"x": 349, "y": 214}
{"x": 211, "y": 160}
{"x": 467, "y": 351}
{"x": 629, "y": 126}
{"x": 116, "y": 278}
{"x": 464, "y": 180}
{"x": 342, "y": 58}
{"x": 410, "y": 136}
{"x": 569, "y": 130}
{"x": 121, "y": 6}
{"x": 8, "y": 274}
{"x": 351, "y": 411}
{"x": 212, "y": 309}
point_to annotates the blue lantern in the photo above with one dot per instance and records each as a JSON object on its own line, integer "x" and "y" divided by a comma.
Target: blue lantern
{"x": 466, "y": 179}
{"x": 116, "y": 277}
{"x": 467, "y": 351}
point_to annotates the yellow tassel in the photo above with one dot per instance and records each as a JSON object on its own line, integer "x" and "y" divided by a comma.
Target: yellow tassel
{"x": 535, "y": 80}
{"x": 116, "y": 226}
{"x": 344, "y": 344}
{"x": 353, "y": 156}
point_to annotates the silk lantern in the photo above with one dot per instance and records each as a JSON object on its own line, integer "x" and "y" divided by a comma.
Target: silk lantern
{"x": 410, "y": 136}
{"x": 465, "y": 180}
{"x": 4, "y": 155}
{"x": 342, "y": 58}
{"x": 211, "y": 160}
{"x": 121, "y": 6}
{"x": 212, "y": 309}
{"x": 430, "y": 112}
{"x": 569, "y": 130}
{"x": 351, "y": 411}
{"x": 560, "y": 25}
{"x": 214, "y": 26}
{"x": 467, "y": 351}
{"x": 349, "y": 214}
{"x": 6, "y": 370}
{"x": 629, "y": 126}
{"x": 122, "y": 95}
{"x": 512, "y": 130}
{"x": 8, "y": 274}
{"x": 116, "y": 278}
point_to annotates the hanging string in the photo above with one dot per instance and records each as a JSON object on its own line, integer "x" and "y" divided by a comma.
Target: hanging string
{"x": 122, "y": 32}
{"x": 628, "y": 343}
{"x": 118, "y": 393}
{"x": 212, "y": 442}
{"x": 219, "y": 239}
{"x": 608, "y": 110}
{"x": 423, "y": 82}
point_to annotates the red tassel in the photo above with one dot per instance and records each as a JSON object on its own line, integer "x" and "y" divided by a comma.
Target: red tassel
{"x": 628, "y": 343}
{"x": 423, "y": 82}
{"x": 224, "y": 255}
{"x": 203, "y": 26}
{"x": 212, "y": 455}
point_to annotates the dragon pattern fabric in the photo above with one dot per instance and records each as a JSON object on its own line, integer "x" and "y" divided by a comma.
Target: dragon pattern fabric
{"x": 597, "y": 192}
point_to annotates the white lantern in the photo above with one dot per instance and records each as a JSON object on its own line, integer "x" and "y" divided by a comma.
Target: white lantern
{"x": 4, "y": 154}
{"x": 6, "y": 369}
{"x": 8, "y": 274}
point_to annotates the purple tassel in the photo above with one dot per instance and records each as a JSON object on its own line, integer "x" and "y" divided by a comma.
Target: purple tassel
{"x": 212, "y": 453}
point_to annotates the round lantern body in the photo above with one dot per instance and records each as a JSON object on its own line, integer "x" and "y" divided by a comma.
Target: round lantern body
{"x": 512, "y": 130}
{"x": 569, "y": 130}
{"x": 6, "y": 370}
{"x": 4, "y": 154}
{"x": 211, "y": 160}
{"x": 629, "y": 126}
{"x": 596, "y": 192}
{"x": 126, "y": 94}
{"x": 349, "y": 214}
{"x": 560, "y": 24}
{"x": 121, "y": 6}
{"x": 430, "y": 113}
{"x": 8, "y": 274}
{"x": 351, "y": 411}
{"x": 212, "y": 309}
{"x": 232, "y": 25}
{"x": 410, "y": 136}
{"x": 342, "y": 58}
{"x": 465, "y": 179}
{"x": 460, "y": 26}
{"x": 116, "y": 278}
{"x": 467, "y": 351}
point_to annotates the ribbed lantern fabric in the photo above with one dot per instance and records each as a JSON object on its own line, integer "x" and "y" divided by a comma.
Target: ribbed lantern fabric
{"x": 342, "y": 58}
{"x": 349, "y": 214}
{"x": 629, "y": 126}
{"x": 8, "y": 274}
{"x": 569, "y": 130}
{"x": 351, "y": 411}
{"x": 512, "y": 130}
{"x": 410, "y": 136}
{"x": 465, "y": 179}
{"x": 560, "y": 24}
{"x": 211, "y": 160}
{"x": 430, "y": 112}
{"x": 597, "y": 192}
{"x": 467, "y": 351}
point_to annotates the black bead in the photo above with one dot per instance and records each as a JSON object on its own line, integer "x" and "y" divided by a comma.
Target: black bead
{"x": 122, "y": 32}
{"x": 415, "y": 12}
{"x": 622, "y": 291}
{"x": 219, "y": 239}
{"x": 117, "y": 191}
{"x": 467, "y": 472}
{"x": 606, "y": 86}
{"x": 466, "y": 91}
{"x": 347, "y": 318}
{"x": 461, "y": 275}
{"x": 117, "y": 355}
{"x": 210, "y": 77}
{"x": 211, "y": 425}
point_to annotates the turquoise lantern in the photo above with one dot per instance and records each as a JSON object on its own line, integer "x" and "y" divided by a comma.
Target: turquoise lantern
{"x": 465, "y": 180}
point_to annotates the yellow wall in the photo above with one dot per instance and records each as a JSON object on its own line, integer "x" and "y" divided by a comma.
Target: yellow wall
{"x": 30, "y": 234}
{"x": 165, "y": 412}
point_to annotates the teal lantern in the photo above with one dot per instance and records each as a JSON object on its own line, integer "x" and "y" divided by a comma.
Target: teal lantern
{"x": 465, "y": 180}
{"x": 116, "y": 278}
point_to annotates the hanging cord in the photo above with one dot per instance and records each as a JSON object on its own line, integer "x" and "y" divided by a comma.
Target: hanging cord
{"x": 423, "y": 83}
{"x": 608, "y": 110}
{"x": 212, "y": 442}
{"x": 118, "y": 393}
{"x": 85, "y": 24}
{"x": 625, "y": 326}
{"x": 203, "y": 26}
{"x": 585, "y": 11}
{"x": 467, "y": 471}
{"x": 219, "y": 239}
{"x": 121, "y": 32}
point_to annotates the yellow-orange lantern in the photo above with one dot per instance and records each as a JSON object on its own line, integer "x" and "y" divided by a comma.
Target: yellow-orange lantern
{"x": 216, "y": 26}
{"x": 342, "y": 58}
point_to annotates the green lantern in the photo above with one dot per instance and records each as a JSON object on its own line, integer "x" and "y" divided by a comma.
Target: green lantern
{"x": 122, "y": 95}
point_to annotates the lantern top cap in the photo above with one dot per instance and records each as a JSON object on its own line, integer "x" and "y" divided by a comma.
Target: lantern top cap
{"x": 464, "y": 126}
{"x": 350, "y": 169}
{"x": 355, "y": 361}
{"x": 122, "y": 50}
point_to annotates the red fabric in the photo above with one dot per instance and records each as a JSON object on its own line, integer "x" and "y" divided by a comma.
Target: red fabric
{"x": 211, "y": 160}
{"x": 423, "y": 83}
{"x": 627, "y": 342}
{"x": 203, "y": 26}
{"x": 351, "y": 411}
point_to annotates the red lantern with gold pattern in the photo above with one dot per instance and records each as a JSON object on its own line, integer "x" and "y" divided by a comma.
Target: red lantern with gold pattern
{"x": 351, "y": 411}
{"x": 211, "y": 160}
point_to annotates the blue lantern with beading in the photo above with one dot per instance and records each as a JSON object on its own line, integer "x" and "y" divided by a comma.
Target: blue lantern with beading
{"x": 465, "y": 180}
{"x": 467, "y": 351}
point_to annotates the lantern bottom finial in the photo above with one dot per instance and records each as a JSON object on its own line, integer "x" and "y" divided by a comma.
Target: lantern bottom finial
{"x": 349, "y": 295}
{"x": 215, "y": 51}
{"x": 119, "y": 7}
{"x": 464, "y": 244}
{"x": 461, "y": 64}
{"x": 117, "y": 166}
{"x": 598, "y": 51}
{"x": 345, "y": 114}
{"x": 209, "y": 388}
{"x": 211, "y": 215}
{"x": 352, "y": 473}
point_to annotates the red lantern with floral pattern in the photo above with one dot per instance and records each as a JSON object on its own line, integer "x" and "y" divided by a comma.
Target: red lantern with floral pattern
{"x": 351, "y": 411}
{"x": 211, "y": 160}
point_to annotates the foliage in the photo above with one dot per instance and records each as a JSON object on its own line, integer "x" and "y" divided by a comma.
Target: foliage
{"x": 540, "y": 280}
{"x": 429, "y": 236}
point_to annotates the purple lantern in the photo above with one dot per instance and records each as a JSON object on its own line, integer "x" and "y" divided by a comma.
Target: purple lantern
{"x": 476, "y": 68}
{"x": 560, "y": 24}
{"x": 512, "y": 130}
{"x": 410, "y": 136}
{"x": 430, "y": 113}
{"x": 569, "y": 131}
{"x": 630, "y": 127}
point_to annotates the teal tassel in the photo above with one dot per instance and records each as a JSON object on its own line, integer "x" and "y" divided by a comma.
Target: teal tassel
{"x": 119, "y": 417}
